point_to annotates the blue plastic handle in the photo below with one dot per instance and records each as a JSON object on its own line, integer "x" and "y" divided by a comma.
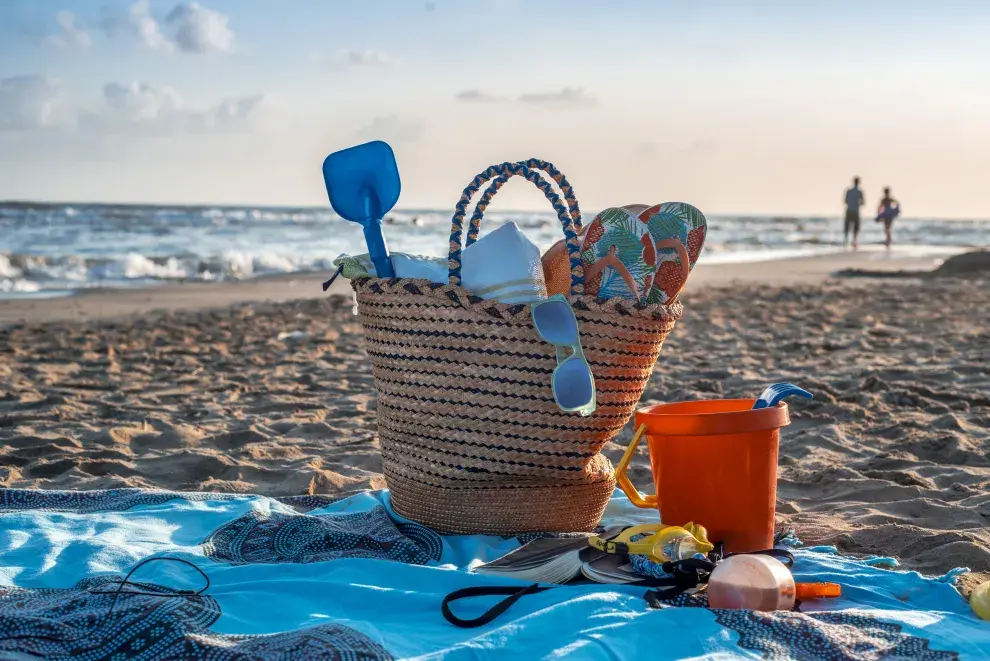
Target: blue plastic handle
{"x": 774, "y": 394}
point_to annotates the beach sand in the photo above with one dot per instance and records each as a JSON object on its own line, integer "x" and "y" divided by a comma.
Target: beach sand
{"x": 263, "y": 387}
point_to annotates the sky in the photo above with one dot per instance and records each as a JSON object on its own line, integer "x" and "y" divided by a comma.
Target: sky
{"x": 736, "y": 107}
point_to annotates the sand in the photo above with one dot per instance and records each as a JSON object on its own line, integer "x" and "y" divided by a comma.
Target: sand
{"x": 275, "y": 397}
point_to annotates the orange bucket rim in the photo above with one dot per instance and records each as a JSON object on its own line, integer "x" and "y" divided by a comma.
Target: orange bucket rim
{"x": 711, "y": 423}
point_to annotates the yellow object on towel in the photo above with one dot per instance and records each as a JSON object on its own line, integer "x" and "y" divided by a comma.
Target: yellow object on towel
{"x": 979, "y": 601}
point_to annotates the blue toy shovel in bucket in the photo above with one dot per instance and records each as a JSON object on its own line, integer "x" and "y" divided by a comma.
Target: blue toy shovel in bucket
{"x": 363, "y": 185}
{"x": 776, "y": 393}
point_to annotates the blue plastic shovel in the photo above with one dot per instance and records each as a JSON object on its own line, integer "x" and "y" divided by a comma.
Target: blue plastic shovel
{"x": 777, "y": 392}
{"x": 363, "y": 185}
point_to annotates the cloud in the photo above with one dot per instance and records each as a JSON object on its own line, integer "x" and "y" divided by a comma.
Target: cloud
{"x": 143, "y": 26}
{"x": 188, "y": 28}
{"x": 70, "y": 35}
{"x": 200, "y": 30}
{"x": 477, "y": 96}
{"x": 566, "y": 97}
{"x": 430, "y": 6}
{"x": 159, "y": 110}
{"x": 365, "y": 58}
{"x": 573, "y": 96}
{"x": 353, "y": 58}
{"x": 390, "y": 129}
{"x": 140, "y": 101}
{"x": 239, "y": 111}
{"x": 32, "y": 102}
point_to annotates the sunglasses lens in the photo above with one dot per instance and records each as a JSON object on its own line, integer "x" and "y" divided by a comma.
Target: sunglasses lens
{"x": 573, "y": 385}
{"x": 556, "y": 323}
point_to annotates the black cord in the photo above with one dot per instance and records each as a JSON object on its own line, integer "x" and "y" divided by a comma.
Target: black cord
{"x": 783, "y": 555}
{"x": 326, "y": 285}
{"x": 179, "y": 594}
{"x": 512, "y": 594}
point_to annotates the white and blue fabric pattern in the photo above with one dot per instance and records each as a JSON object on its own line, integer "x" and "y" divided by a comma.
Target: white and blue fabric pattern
{"x": 316, "y": 577}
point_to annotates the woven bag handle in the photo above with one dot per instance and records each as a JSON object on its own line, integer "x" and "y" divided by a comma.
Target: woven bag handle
{"x": 534, "y": 164}
{"x": 507, "y": 170}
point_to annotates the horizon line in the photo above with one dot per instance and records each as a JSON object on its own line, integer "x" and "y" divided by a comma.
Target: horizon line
{"x": 196, "y": 205}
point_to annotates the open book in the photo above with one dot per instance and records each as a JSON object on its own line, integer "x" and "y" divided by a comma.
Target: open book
{"x": 561, "y": 560}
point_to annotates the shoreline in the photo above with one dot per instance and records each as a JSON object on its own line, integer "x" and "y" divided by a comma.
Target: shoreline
{"x": 103, "y": 304}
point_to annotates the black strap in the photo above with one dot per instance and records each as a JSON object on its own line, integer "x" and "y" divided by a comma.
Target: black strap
{"x": 718, "y": 554}
{"x": 514, "y": 595}
{"x": 689, "y": 565}
{"x": 326, "y": 285}
{"x": 783, "y": 555}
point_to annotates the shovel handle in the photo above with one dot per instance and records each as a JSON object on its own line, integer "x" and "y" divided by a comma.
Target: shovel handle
{"x": 635, "y": 497}
{"x": 507, "y": 170}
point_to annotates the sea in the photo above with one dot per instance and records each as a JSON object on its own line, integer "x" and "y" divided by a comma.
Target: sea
{"x": 52, "y": 250}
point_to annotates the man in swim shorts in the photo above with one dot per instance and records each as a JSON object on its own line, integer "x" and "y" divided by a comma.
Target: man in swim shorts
{"x": 854, "y": 200}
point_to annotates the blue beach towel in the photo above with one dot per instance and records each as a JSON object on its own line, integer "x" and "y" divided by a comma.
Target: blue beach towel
{"x": 315, "y": 577}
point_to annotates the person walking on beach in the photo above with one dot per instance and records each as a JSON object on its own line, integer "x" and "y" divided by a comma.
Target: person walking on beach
{"x": 888, "y": 210}
{"x": 854, "y": 200}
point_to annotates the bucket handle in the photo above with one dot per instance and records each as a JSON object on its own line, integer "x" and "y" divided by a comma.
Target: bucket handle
{"x": 635, "y": 497}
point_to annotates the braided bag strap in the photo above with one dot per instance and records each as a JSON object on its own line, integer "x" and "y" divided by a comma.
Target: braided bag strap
{"x": 534, "y": 164}
{"x": 565, "y": 216}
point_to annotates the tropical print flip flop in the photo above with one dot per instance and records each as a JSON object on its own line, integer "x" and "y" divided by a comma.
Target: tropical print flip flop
{"x": 645, "y": 256}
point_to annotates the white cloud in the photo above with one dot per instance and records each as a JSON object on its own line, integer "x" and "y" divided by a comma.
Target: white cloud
{"x": 32, "y": 102}
{"x": 365, "y": 58}
{"x": 567, "y": 96}
{"x": 70, "y": 35}
{"x": 144, "y": 108}
{"x": 140, "y": 101}
{"x": 143, "y": 25}
{"x": 390, "y": 129}
{"x": 573, "y": 96}
{"x": 239, "y": 112}
{"x": 200, "y": 30}
{"x": 188, "y": 28}
{"x": 477, "y": 96}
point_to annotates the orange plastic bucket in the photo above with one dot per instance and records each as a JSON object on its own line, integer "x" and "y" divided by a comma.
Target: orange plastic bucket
{"x": 714, "y": 463}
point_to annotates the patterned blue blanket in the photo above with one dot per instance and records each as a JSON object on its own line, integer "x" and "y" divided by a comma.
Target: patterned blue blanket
{"x": 315, "y": 577}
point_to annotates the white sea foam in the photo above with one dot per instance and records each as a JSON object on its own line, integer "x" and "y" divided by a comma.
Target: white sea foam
{"x": 8, "y": 285}
{"x": 51, "y": 248}
{"x": 139, "y": 266}
{"x": 8, "y": 270}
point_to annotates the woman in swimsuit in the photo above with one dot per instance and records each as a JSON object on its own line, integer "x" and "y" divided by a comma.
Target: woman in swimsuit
{"x": 888, "y": 210}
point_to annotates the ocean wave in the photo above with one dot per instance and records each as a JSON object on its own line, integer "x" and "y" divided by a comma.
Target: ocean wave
{"x": 67, "y": 247}
{"x": 24, "y": 273}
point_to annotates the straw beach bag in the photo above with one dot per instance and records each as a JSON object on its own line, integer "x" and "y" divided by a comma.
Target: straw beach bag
{"x": 472, "y": 440}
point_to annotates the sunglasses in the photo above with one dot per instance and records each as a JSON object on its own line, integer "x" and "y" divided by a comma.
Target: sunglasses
{"x": 572, "y": 382}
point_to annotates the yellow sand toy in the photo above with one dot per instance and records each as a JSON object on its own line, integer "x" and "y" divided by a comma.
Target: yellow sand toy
{"x": 663, "y": 543}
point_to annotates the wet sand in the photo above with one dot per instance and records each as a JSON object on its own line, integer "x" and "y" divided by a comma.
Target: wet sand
{"x": 263, "y": 387}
